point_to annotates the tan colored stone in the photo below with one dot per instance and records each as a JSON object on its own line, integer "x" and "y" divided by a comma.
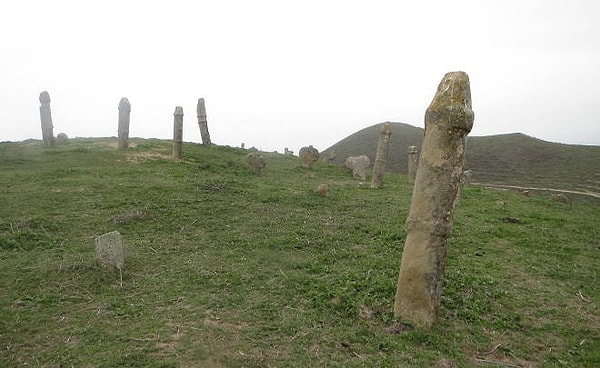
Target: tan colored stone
{"x": 381, "y": 156}
{"x": 308, "y": 156}
{"x": 203, "y": 123}
{"x": 177, "y": 132}
{"x": 448, "y": 120}
{"x": 413, "y": 162}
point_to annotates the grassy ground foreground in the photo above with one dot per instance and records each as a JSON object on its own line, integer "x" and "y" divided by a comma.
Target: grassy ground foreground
{"x": 225, "y": 268}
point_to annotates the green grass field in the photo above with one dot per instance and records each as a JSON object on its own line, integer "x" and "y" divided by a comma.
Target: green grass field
{"x": 225, "y": 268}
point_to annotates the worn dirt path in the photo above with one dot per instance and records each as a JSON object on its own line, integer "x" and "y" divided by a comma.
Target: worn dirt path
{"x": 591, "y": 194}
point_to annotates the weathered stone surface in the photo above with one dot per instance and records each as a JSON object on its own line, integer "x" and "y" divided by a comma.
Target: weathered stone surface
{"x": 256, "y": 162}
{"x": 203, "y": 123}
{"x": 61, "y": 138}
{"x": 448, "y": 120}
{"x": 358, "y": 165}
{"x": 109, "y": 250}
{"x": 413, "y": 162}
{"x": 381, "y": 156}
{"x": 308, "y": 156}
{"x": 323, "y": 190}
{"x": 124, "y": 114}
{"x": 177, "y": 132}
{"x": 46, "y": 119}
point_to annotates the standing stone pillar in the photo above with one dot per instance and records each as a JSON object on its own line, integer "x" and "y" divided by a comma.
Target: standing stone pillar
{"x": 413, "y": 161}
{"x": 177, "y": 132}
{"x": 448, "y": 120}
{"x": 381, "y": 157}
{"x": 109, "y": 250}
{"x": 201, "y": 110}
{"x": 124, "y": 112}
{"x": 46, "y": 118}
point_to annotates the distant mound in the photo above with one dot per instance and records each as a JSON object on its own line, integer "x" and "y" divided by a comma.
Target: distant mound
{"x": 510, "y": 159}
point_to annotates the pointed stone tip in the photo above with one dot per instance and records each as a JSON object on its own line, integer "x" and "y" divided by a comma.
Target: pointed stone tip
{"x": 178, "y": 111}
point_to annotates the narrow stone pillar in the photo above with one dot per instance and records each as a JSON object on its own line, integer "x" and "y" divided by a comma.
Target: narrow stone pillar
{"x": 201, "y": 110}
{"x": 448, "y": 120}
{"x": 413, "y": 162}
{"x": 124, "y": 113}
{"x": 46, "y": 118}
{"x": 381, "y": 157}
{"x": 177, "y": 132}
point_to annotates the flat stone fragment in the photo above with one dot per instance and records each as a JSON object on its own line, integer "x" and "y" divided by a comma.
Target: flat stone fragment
{"x": 109, "y": 250}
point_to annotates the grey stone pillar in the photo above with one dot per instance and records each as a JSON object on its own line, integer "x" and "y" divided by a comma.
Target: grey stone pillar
{"x": 381, "y": 157}
{"x": 124, "y": 113}
{"x": 46, "y": 118}
{"x": 448, "y": 120}
{"x": 109, "y": 250}
{"x": 201, "y": 110}
{"x": 413, "y": 161}
{"x": 177, "y": 132}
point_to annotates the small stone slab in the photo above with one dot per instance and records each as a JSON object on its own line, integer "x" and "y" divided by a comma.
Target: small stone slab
{"x": 109, "y": 250}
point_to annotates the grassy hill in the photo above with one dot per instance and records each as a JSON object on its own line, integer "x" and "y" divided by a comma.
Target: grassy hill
{"x": 510, "y": 159}
{"x": 224, "y": 268}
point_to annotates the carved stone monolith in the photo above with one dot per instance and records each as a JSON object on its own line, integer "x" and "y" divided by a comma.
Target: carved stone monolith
{"x": 46, "y": 118}
{"x": 202, "y": 123}
{"x": 448, "y": 120}
{"x": 109, "y": 250}
{"x": 413, "y": 161}
{"x": 124, "y": 113}
{"x": 308, "y": 156}
{"x": 381, "y": 156}
{"x": 177, "y": 132}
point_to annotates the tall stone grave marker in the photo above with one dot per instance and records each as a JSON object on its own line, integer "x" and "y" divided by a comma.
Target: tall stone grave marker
{"x": 308, "y": 156}
{"x": 46, "y": 118}
{"x": 109, "y": 250}
{"x": 381, "y": 156}
{"x": 124, "y": 113}
{"x": 201, "y": 111}
{"x": 177, "y": 132}
{"x": 413, "y": 161}
{"x": 448, "y": 120}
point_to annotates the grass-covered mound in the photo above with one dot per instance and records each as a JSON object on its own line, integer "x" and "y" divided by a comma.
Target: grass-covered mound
{"x": 225, "y": 268}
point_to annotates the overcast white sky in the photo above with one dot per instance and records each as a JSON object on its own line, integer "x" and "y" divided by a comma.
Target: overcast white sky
{"x": 278, "y": 73}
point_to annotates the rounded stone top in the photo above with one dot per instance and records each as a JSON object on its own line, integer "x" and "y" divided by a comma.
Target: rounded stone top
{"x": 124, "y": 104}
{"x": 412, "y": 149}
{"x": 178, "y": 111}
{"x": 452, "y": 102}
{"x": 201, "y": 109}
{"x": 45, "y": 97}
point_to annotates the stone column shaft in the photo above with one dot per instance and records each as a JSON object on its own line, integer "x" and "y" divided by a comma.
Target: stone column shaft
{"x": 203, "y": 124}
{"x": 177, "y": 132}
{"x": 413, "y": 161}
{"x": 124, "y": 114}
{"x": 381, "y": 157}
{"x": 448, "y": 120}
{"x": 46, "y": 119}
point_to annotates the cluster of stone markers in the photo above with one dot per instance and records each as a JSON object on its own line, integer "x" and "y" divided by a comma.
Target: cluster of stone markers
{"x": 123, "y": 129}
{"x": 437, "y": 176}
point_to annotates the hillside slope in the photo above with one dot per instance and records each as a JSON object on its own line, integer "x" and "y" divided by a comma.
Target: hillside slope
{"x": 511, "y": 159}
